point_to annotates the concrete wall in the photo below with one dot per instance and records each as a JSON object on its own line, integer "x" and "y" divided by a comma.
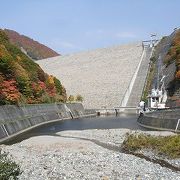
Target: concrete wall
{"x": 161, "y": 120}
{"x": 14, "y": 119}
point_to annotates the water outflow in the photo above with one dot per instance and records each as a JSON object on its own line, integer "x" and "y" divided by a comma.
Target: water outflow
{"x": 69, "y": 111}
{"x": 14, "y": 119}
{"x": 127, "y": 121}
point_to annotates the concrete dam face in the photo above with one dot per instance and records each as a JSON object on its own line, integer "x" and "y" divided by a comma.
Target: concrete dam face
{"x": 101, "y": 76}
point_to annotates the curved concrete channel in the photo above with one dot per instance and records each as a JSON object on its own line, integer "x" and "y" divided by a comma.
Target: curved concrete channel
{"x": 128, "y": 121}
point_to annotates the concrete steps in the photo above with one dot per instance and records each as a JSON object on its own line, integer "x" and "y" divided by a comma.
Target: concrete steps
{"x": 138, "y": 86}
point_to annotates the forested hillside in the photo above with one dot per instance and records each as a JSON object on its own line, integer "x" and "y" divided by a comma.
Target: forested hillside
{"x": 22, "y": 80}
{"x": 34, "y": 49}
{"x": 169, "y": 49}
{"x": 173, "y": 55}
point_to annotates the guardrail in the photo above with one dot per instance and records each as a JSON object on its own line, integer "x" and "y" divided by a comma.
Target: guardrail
{"x": 177, "y": 125}
{"x": 168, "y": 119}
{"x": 117, "y": 110}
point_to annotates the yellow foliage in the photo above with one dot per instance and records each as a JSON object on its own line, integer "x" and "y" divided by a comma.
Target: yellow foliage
{"x": 20, "y": 71}
{"x": 18, "y": 58}
{"x": 51, "y": 79}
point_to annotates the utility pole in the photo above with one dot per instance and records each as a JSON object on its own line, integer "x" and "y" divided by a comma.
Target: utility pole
{"x": 153, "y": 35}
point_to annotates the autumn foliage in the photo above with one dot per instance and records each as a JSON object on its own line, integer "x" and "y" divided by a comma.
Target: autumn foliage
{"x": 174, "y": 54}
{"x": 9, "y": 92}
{"x": 33, "y": 48}
{"x": 178, "y": 75}
{"x": 22, "y": 80}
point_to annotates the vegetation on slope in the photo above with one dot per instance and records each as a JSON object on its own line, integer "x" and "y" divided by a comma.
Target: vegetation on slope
{"x": 152, "y": 73}
{"x": 77, "y": 98}
{"x": 149, "y": 80}
{"x": 173, "y": 55}
{"x": 22, "y": 80}
{"x": 8, "y": 168}
{"x": 168, "y": 146}
{"x": 34, "y": 49}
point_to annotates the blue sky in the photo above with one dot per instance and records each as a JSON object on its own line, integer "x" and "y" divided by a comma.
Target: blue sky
{"x": 75, "y": 25}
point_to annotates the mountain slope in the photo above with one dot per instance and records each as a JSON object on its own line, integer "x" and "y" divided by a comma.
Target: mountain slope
{"x": 165, "y": 62}
{"x": 34, "y": 49}
{"x": 173, "y": 57}
{"x": 22, "y": 80}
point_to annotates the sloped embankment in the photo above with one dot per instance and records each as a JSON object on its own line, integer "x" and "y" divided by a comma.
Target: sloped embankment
{"x": 165, "y": 63}
{"x": 101, "y": 76}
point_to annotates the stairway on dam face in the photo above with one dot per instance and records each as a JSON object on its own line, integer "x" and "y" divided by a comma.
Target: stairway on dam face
{"x": 101, "y": 76}
{"x": 138, "y": 86}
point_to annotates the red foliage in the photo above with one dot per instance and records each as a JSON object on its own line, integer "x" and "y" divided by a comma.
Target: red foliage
{"x": 38, "y": 88}
{"x": 9, "y": 91}
{"x": 52, "y": 92}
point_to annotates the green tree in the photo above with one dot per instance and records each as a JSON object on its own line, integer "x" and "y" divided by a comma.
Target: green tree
{"x": 58, "y": 85}
{"x": 8, "y": 168}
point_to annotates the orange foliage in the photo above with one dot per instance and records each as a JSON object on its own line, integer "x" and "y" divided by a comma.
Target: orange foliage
{"x": 9, "y": 91}
{"x": 174, "y": 54}
{"x": 178, "y": 75}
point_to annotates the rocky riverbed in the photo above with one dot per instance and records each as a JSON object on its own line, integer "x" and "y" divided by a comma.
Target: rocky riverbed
{"x": 87, "y": 154}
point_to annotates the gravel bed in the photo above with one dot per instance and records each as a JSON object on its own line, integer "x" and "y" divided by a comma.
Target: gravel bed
{"x": 108, "y": 136}
{"x": 53, "y": 157}
{"x": 117, "y": 136}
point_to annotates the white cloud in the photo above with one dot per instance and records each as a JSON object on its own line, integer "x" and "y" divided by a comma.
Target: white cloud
{"x": 67, "y": 44}
{"x": 64, "y": 47}
{"x": 106, "y": 33}
{"x": 125, "y": 35}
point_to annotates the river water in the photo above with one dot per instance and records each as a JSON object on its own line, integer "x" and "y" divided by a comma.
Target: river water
{"x": 107, "y": 122}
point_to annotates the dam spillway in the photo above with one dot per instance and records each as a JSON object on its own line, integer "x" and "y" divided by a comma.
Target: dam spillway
{"x": 101, "y": 76}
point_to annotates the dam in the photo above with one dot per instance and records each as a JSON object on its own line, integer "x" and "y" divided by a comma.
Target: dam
{"x": 106, "y": 77}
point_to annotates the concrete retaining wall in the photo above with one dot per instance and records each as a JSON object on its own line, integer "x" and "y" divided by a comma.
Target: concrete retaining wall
{"x": 14, "y": 119}
{"x": 161, "y": 120}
